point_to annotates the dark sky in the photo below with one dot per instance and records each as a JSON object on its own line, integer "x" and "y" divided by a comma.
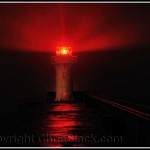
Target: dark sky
{"x": 111, "y": 41}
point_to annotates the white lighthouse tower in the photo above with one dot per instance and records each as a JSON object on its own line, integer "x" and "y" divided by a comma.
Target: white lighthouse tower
{"x": 64, "y": 84}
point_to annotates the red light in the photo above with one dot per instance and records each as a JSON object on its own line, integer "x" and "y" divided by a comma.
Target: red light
{"x": 63, "y": 51}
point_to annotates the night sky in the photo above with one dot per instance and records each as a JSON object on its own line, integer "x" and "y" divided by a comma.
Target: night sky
{"x": 111, "y": 41}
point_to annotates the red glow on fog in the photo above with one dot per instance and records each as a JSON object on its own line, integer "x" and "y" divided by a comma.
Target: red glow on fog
{"x": 41, "y": 27}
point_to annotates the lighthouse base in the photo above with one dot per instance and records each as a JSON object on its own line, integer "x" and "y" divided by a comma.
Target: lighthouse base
{"x": 78, "y": 96}
{"x": 65, "y": 99}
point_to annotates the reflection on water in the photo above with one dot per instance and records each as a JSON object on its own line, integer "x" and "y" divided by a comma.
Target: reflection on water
{"x": 65, "y": 107}
{"x": 56, "y": 125}
{"x": 61, "y": 124}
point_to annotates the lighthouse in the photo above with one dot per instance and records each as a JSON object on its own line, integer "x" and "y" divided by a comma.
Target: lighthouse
{"x": 63, "y": 61}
